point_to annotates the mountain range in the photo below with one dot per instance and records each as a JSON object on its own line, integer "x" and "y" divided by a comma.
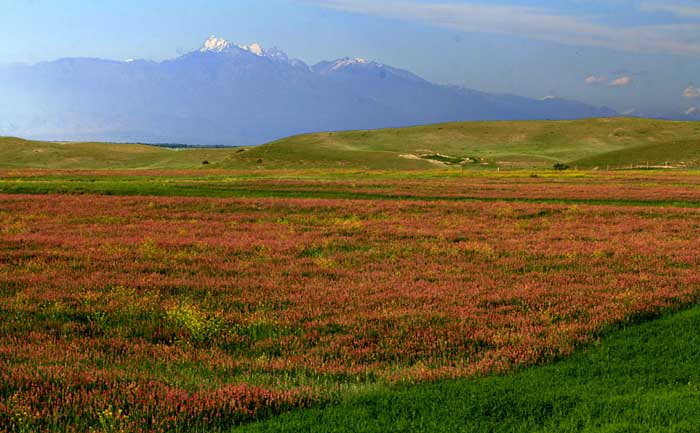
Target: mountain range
{"x": 227, "y": 94}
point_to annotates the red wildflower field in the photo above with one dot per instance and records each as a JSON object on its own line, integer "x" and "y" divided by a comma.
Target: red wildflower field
{"x": 174, "y": 313}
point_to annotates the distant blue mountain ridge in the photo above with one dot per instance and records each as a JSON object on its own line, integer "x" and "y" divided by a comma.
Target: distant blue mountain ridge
{"x": 226, "y": 94}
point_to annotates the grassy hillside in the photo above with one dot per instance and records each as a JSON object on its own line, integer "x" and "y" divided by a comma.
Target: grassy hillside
{"x": 587, "y": 143}
{"x": 614, "y": 143}
{"x": 671, "y": 153}
{"x": 18, "y": 153}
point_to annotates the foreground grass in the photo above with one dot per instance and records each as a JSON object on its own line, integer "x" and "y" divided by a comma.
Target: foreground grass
{"x": 644, "y": 378}
{"x": 243, "y": 308}
{"x": 154, "y": 313}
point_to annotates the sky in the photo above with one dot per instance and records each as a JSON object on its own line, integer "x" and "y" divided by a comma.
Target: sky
{"x": 636, "y": 56}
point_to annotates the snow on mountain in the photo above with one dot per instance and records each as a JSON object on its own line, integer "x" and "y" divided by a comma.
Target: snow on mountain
{"x": 232, "y": 94}
{"x": 327, "y": 67}
{"x": 342, "y": 63}
{"x": 254, "y": 48}
{"x": 215, "y": 44}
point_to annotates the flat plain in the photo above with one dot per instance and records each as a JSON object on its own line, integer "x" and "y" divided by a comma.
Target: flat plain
{"x": 203, "y": 300}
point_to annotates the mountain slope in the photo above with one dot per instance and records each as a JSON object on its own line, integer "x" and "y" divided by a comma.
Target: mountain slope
{"x": 239, "y": 95}
{"x": 617, "y": 143}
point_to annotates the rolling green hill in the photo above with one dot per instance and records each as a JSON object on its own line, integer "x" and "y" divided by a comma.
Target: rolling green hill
{"x": 603, "y": 143}
{"x": 18, "y": 153}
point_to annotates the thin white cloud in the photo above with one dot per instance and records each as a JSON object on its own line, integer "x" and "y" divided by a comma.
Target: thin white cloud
{"x": 691, "y": 110}
{"x": 677, "y": 9}
{"x": 529, "y": 23}
{"x": 692, "y": 92}
{"x": 621, "y": 81}
{"x": 595, "y": 80}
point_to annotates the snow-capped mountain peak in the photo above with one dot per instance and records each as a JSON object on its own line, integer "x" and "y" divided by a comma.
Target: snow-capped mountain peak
{"x": 253, "y": 48}
{"x": 220, "y": 45}
{"x": 324, "y": 68}
{"x": 215, "y": 44}
{"x": 342, "y": 63}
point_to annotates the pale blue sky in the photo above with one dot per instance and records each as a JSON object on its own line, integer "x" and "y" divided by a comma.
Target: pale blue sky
{"x": 628, "y": 54}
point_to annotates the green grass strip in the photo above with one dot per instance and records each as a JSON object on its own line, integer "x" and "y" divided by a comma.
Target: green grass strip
{"x": 170, "y": 188}
{"x": 644, "y": 378}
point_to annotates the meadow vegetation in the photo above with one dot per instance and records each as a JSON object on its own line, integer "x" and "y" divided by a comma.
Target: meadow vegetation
{"x": 152, "y": 289}
{"x": 641, "y": 378}
{"x": 200, "y": 301}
